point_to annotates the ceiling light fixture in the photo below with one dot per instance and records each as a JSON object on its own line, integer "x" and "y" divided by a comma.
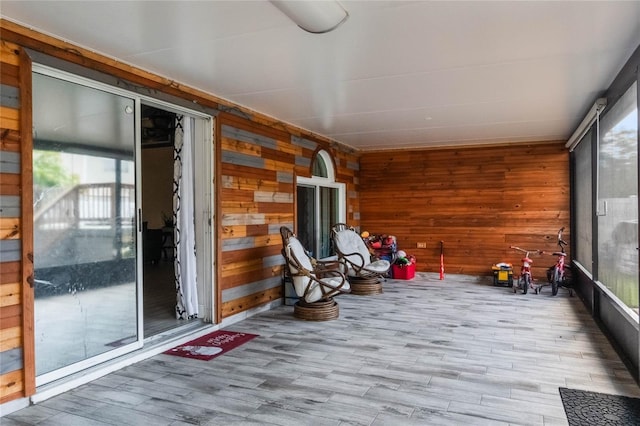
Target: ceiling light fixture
{"x": 316, "y": 17}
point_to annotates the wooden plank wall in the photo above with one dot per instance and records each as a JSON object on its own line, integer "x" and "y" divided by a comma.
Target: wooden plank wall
{"x": 258, "y": 168}
{"x": 11, "y": 334}
{"x": 479, "y": 201}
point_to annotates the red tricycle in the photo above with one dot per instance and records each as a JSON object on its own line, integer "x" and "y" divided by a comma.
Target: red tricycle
{"x": 557, "y": 275}
{"x": 525, "y": 279}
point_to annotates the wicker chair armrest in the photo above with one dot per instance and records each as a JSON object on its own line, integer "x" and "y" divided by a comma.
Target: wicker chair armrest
{"x": 342, "y": 287}
{"x": 324, "y": 263}
{"x": 365, "y": 268}
{"x": 354, "y": 265}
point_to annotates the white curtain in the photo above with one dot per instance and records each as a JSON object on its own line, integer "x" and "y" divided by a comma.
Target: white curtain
{"x": 183, "y": 208}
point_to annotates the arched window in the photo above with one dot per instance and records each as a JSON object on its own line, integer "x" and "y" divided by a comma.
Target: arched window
{"x": 320, "y": 205}
{"x": 322, "y": 165}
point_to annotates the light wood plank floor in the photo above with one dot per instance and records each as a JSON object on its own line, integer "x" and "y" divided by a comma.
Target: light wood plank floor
{"x": 426, "y": 352}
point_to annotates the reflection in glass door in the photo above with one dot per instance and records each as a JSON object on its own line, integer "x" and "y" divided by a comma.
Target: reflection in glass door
{"x": 329, "y": 216}
{"x": 85, "y": 251}
{"x": 318, "y": 209}
{"x": 306, "y": 217}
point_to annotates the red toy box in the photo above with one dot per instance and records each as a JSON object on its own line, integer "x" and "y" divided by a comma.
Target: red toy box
{"x": 404, "y": 272}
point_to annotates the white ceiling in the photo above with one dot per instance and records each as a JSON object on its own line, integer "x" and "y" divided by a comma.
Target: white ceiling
{"x": 395, "y": 74}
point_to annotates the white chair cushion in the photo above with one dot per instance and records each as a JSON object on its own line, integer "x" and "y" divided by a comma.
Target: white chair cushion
{"x": 315, "y": 292}
{"x": 348, "y": 241}
{"x": 295, "y": 248}
{"x": 336, "y": 282}
{"x": 380, "y": 266}
{"x": 300, "y": 282}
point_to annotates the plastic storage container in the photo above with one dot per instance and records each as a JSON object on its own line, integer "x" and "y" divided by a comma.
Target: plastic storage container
{"x": 404, "y": 272}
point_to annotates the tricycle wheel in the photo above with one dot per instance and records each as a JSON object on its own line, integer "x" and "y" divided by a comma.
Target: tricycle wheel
{"x": 555, "y": 283}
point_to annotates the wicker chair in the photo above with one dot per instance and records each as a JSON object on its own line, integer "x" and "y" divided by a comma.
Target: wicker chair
{"x": 315, "y": 285}
{"x": 364, "y": 274}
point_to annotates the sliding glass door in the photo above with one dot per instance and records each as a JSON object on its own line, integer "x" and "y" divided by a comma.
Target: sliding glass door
{"x": 85, "y": 203}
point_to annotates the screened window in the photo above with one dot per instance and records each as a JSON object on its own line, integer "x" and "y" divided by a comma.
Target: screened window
{"x": 584, "y": 208}
{"x": 618, "y": 199}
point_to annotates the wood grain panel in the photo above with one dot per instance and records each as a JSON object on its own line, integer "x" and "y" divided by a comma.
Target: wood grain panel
{"x": 245, "y": 265}
{"x": 278, "y": 218}
{"x": 246, "y": 123}
{"x": 244, "y": 231}
{"x": 282, "y": 198}
{"x": 9, "y": 53}
{"x": 268, "y": 240}
{"x": 287, "y": 148}
{"x": 235, "y": 170}
{"x": 9, "y": 118}
{"x": 9, "y": 140}
{"x": 230, "y": 219}
{"x": 9, "y": 184}
{"x": 10, "y": 272}
{"x": 10, "y": 294}
{"x": 10, "y": 338}
{"x": 251, "y": 203}
{"x": 9, "y": 228}
{"x": 259, "y": 252}
{"x": 479, "y": 201}
{"x": 11, "y": 386}
{"x": 237, "y": 195}
{"x": 229, "y": 144}
{"x": 274, "y": 207}
{"x": 243, "y": 183}
{"x": 11, "y": 316}
{"x": 9, "y": 75}
{"x": 257, "y": 274}
{"x": 303, "y": 171}
{"x": 251, "y": 301}
{"x": 345, "y": 177}
{"x": 277, "y": 155}
{"x": 276, "y": 165}
{"x": 26, "y": 219}
{"x": 9, "y": 312}
{"x": 240, "y": 207}
{"x": 286, "y": 187}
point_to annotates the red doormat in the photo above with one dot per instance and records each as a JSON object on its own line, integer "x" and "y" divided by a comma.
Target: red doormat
{"x": 211, "y": 345}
